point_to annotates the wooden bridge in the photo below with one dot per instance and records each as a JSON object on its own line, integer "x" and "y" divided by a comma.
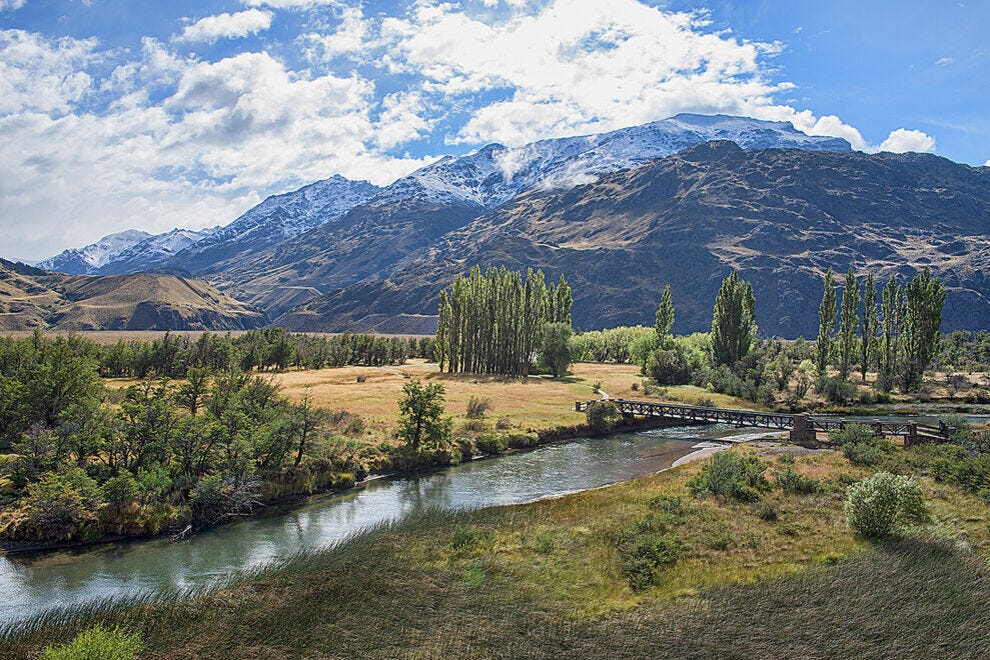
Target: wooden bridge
{"x": 803, "y": 428}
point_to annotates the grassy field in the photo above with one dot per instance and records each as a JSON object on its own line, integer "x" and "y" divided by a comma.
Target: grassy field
{"x": 545, "y": 580}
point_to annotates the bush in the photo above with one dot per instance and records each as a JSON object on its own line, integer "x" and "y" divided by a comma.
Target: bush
{"x": 793, "y": 482}
{"x": 731, "y": 475}
{"x": 668, "y": 367}
{"x": 602, "y": 416}
{"x": 477, "y": 408}
{"x": 215, "y": 498}
{"x": 879, "y": 506}
{"x": 836, "y": 390}
{"x": 860, "y": 445}
{"x": 503, "y": 423}
{"x": 645, "y": 552}
{"x": 61, "y": 507}
{"x": 97, "y": 643}
{"x": 492, "y": 443}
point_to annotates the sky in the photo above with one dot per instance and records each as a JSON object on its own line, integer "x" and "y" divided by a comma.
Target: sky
{"x": 145, "y": 114}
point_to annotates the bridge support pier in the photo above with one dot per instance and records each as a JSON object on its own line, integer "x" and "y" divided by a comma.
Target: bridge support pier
{"x": 911, "y": 439}
{"x": 803, "y": 431}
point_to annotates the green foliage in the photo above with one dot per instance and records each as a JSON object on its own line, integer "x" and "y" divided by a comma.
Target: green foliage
{"x": 836, "y": 390}
{"x": 827, "y": 313}
{"x": 733, "y": 321}
{"x": 664, "y": 317}
{"x": 421, "y": 422}
{"x": 556, "y": 350}
{"x": 796, "y": 483}
{"x": 622, "y": 345}
{"x": 860, "y": 445}
{"x": 61, "y": 507}
{"x": 497, "y": 322}
{"x": 668, "y": 367}
{"x": 849, "y": 323}
{"x": 97, "y": 643}
{"x": 602, "y": 416}
{"x": 492, "y": 443}
{"x": 883, "y": 504}
{"x": 871, "y": 323}
{"x": 729, "y": 474}
{"x": 646, "y": 549}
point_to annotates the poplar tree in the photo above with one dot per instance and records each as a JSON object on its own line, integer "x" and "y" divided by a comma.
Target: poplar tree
{"x": 924, "y": 299}
{"x": 665, "y": 317}
{"x": 849, "y": 324}
{"x": 496, "y": 322}
{"x": 827, "y": 313}
{"x": 868, "y": 337}
{"x": 733, "y": 321}
{"x": 891, "y": 310}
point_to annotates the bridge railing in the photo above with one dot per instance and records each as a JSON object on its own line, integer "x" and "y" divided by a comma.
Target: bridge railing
{"x": 782, "y": 421}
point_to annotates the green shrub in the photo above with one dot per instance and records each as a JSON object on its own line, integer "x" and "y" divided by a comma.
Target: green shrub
{"x": 860, "y": 445}
{"x": 793, "y": 482}
{"x": 645, "y": 552}
{"x": 477, "y": 407}
{"x": 466, "y": 537}
{"x": 97, "y": 643}
{"x": 602, "y": 416}
{"x": 731, "y": 475}
{"x": 668, "y": 367}
{"x": 836, "y": 390}
{"x": 61, "y": 507}
{"x": 670, "y": 505}
{"x": 880, "y": 506}
{"x": 492, "y": 443}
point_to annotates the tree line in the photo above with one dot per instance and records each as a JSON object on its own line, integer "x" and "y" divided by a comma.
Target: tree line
{"x": 499, "y": 322}
{"x": 896, "y": 333}
{"x": 272, "y": 349}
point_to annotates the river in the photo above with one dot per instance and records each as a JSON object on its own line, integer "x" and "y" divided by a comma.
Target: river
{"x": 32, "y": 584}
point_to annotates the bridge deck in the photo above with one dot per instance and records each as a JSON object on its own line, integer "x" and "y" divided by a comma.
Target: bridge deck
{"x": 802, "y": 423}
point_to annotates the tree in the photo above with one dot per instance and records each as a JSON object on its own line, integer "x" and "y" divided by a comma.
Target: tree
{"x": 307, "y": 422}
{"x": 556, "y": 353}
{"x": 827, "y": 313}
{"x": 868, "y": 337}
{"x": 849, "y": 324}
{"x": 883, "y": 504}
{"x": 422, "y": 423}
{"x": 924, "y": 298}
{"x": 733, "y": 321}
{"x": 891, "y": 310}
{"x": 665, "y": 317}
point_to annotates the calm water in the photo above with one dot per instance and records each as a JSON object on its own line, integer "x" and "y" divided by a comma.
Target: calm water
{"x": 29, "y": 585}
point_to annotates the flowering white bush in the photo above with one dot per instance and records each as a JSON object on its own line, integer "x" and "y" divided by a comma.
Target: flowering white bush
{"x": 880, "y": 505}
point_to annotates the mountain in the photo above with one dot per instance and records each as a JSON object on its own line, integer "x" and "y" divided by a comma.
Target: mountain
{"x": 779, "y": 216}
{"x": 31, "y": 297}
{"x": 96, "y": 255}
{"x": 275, "y": 220}
{"x": 374, "y": 239}
{"x": 151, "y": 252}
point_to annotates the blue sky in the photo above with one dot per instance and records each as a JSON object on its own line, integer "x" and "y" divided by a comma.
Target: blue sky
{"x": 152, "y": 115}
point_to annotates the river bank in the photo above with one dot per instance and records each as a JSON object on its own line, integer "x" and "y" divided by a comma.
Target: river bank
{"x": 544, "y": 578}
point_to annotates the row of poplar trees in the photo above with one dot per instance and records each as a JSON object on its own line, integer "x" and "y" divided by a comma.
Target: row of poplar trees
{"x": 494, "y": 323}
{"x": 897, "y": 335}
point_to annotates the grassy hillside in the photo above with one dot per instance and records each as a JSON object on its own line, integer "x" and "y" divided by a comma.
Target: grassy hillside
{"x": 547, "y": 580}
{"x": 31, "y": 298}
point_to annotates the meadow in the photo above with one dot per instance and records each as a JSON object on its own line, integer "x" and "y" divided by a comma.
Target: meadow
{"x": 547, "y": 580}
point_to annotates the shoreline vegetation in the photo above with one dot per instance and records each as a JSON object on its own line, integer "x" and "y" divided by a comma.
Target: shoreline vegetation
{"x": 755, "y": 542}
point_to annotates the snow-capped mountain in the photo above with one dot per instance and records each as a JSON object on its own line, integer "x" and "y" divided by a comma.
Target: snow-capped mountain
{"x": 497, "y": 173}
{"x": 276, "y": 219}
{"x": 154, "y": 250}
{"x": 89, "y": 259}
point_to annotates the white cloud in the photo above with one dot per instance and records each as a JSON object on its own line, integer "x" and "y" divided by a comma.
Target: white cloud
{"x": 902, "y": 140}
{"x": 350, "y": 36}
{"x": 226, "y": 134}
{"x": 11, "y": 5}
{"x": 580, "y": 66}
{"x": 227, "y": 26}
{"x": 945, "y": 61}
{"x": 289, "y": 4}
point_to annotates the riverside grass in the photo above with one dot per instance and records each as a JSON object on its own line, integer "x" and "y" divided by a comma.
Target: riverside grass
{"x": 544, "y": 580}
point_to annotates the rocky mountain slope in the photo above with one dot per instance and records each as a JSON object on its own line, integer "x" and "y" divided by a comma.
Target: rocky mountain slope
{"x": 780, "y": 217}
{"x": 31, "y": 297}
{"x": 376, "y": 238}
